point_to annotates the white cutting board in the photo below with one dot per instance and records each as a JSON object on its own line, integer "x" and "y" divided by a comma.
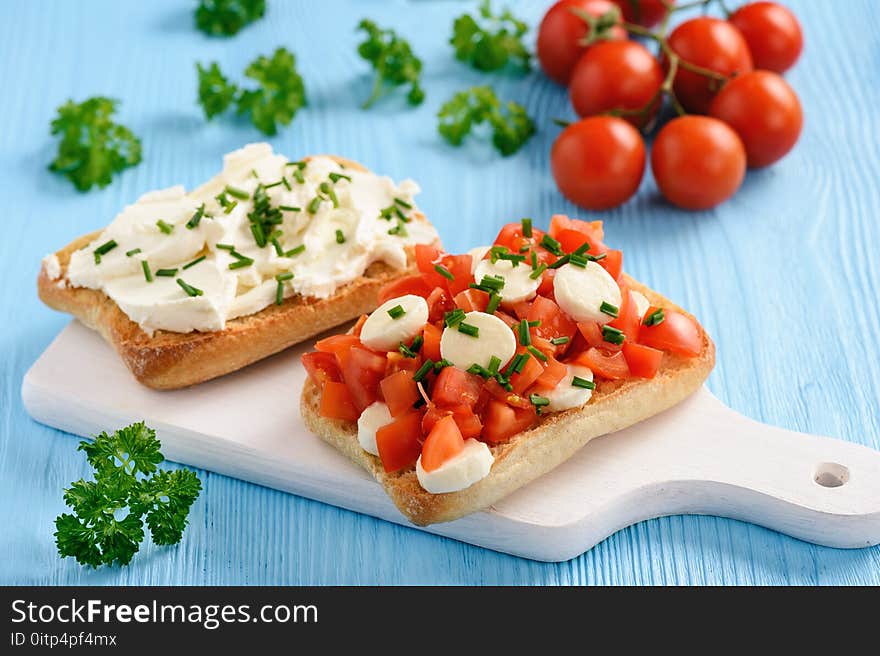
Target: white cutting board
{"x": 698, "y": 458}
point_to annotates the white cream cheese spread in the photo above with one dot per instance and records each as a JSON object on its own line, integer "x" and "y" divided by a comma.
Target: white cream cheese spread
{"x": 262, "y": 230}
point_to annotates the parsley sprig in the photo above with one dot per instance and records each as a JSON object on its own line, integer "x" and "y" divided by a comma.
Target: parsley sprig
{"x": 227, "y": 17}
{"x": 489, "y": 43}
{"x": 93, "y": 147}
{"x": 280, "y": 93}
{"x": 511, "y": 125}
{"x": 127, "y": 482}
{"x": 393, "y": 60}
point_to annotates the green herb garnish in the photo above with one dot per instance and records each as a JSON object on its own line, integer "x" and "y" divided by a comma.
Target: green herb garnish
{"x": 536, "y": 353}
{"x": 609, "y": 309}
{"x": 336, "y": 177}
{"x": 197, "y": 217}
{"x": 103, "y": 249}
{"x": 295, "y": 251}
{"x": 194, "y": 262}
{"x": 454, "y": 317}
{"x": 146, "y": 267}
{"x": 550, "y": 244}
{"x": 613, "y": 335}
{"x": 227, "y": 17}
{"x": 133, "y": 251}
{"x": 655, "y": 318}
{"x": 539, "y": 401}
{"x": 511, "y": 125}
{"x": 468, "y": 329}
{"x": 396, "y": 312}
{"x": 490, "y": 41}
{"x": 189, "y": 289}
{"x": 556, "y": 341}
{"x": 340, "y": 237}
{"x": 526, "y": 227}
{"x": 393, "y": 60}
{"x": 422, "y": 371}
{"x": 494, "y": 302}
{"x": 126, "y": 478}
{"x": 166, "y": 228}
{"x": 525, "y": 337}
{"x": 166, "y": 273}
{"x": 443, "y": 271}
{"x": 577, "y": 381}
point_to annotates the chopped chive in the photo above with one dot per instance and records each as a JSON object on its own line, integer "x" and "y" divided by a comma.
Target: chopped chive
{"x": 234, "y": 253}
{"x": 300, "y": 165}
{"x": 259, "y": 234}
{"x": 596, "y": 258}
{"x": 237, "y": 193}
{"x": 406, "y": 351}
{"x": 254, "y": 174}
{"x": 331, "y": 194}
{"x": 443, "y": 271}
{"x": 315, "y": 205}
{"x": 538, "y": 400}
{"x": 399, "y": 229}
{"x": 655, "y": 318}
{"x": 578, "y": 260}
{"x": 583, "y": 248}
{"x": 401, "y": 215}
{"x": 454, "y": 317}
{"x": 196, "y": 218}
{"x": 535, "y": 323}
{"x": 396, "y": 312}
{"x": 277, "y": 244}
{"x": 146, "y": 267}
{"x": 521, "y": 364}
{"x": 537, "y": 353}
{"x": 194, "y": 262}
{"x": 284, "y": 277}
{"x": 495, "y": 283}
{"x": 494, "y": 302}
{"x": 534, "y": 260}
{"x": 279, "y": 293}
{"x": 241, "y": 263}
{"x": 166, "y": 273}
{"x": 167, "y": 228}
{"x": 558, "y": 263}
{"x": 189, "y": 289}
{"x": 527, "y": 227}
{"x": 550, "y": 244}
{"x": 525, "y": 338}
{"x": 133, "y": 251}
{"x": 524, "y": 248}
{"x": 468, "y": 329}
{"x": 403, "y": 203}
{"x": 286, "y": 183}
{"x": 103, "y": 249}
{"x": 577, "y": 381}
{"x": 289, "y": 208}
{"x": 613, "y": 335}
{"x": 479, "y": 370}
{"x": 513, "y": 364}
{"x": 225, "y": 247}
{"x": 537, "y": 273}
{"x": 556, "y": 341}
{"x": 295, "y": 251}
{"x": 336, "y": 177}
{"x": 230, "y": 206}
{"x": 422, "y": 371}
{"x": 340, "y": 238}
{"x": 494, "y": 363}
{"x": 273, "y": 184}
{"x": 610, "y": 310}
{"x": 442, "y": 364}
{"x": 298, "y": 176}
{"x": 417, "y": 342}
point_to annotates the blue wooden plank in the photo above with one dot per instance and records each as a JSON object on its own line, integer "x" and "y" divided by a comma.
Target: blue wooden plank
{"x": 785, "y": 276}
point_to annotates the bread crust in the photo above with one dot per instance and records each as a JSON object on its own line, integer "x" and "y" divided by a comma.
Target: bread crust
{"x": 614, "y": 406}
{"x": 168, "y": 360}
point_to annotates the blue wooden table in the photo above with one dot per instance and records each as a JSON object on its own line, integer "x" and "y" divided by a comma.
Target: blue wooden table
{"x": 786, "y": 276}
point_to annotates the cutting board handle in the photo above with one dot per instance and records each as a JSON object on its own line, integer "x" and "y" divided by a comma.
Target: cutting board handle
{"x": 816, "y": 488}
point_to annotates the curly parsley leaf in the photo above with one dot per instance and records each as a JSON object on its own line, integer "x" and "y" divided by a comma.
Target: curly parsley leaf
{"x": 216, "y": 92}
{"x": 93, "y": 148}
{"x": 280, "y": 95}
{"x": 107, "y": 524}
{"x": 393, "y": 60}
{"x": 490, "y": 42}
{"x": 511, "y": 125}
{"x": 227, "y": 17}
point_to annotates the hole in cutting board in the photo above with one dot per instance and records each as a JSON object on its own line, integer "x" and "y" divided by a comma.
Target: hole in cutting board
{"x": 831, "y": 474}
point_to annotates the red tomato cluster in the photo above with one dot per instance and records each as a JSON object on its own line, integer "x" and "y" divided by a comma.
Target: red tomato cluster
{"x": 722, "y": 76}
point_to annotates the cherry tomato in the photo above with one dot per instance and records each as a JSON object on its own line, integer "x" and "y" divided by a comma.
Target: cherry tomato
{"x": 598, "y": 162}
{"x": 710, "y": 43}
{"x": 616, "y": 75}
{"x": 562, "y": 31}
{"x": 643, "y": 12}
{"x": 764, "y": 111}
{"x": 698, "y": 162}
{"x": 773, "y": 34}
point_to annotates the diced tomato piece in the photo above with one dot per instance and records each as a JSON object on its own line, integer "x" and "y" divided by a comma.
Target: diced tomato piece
{"x": 543, "y": 345}
{"x": 443, "y": 442}
{"x": 396, "y": 361}
{"x": 613, "y": 263}
{"x": 502, "y": 421}
{"x": 337, "y": 344}
{"x": 628, "y": 318}
{"x": 494, "y": 388}
{"x": 468, "y": 422}
{"x": 362, "y": 370}
{"x": 426, "y": 257}
{"x": 431, "y": 348}
{"x": 592, "y": 333}
{"x": 592, "y": 229}
{"x": 643, "y": 361}
{"x": 359, "y": 325}
{"x": 546, "y": 287}
{"x": 506, "y": 318}
{"x": 460, "y": 268}
{"x": 455, "y": 387}
{"x": 554, "y": 371}
{"x": 571, "y": 240}
{"x": 677, "y": 333}
{"x": 400, "y": 392}
{"x": 521, "y": 309}
{"x": 512, "y": 238}
{"x": 322, "y": 367}
{"x": 337, "y": 402}
{"x": 527, "y": 377}
{"x": 439, "y": 302}
{"x": 472, "y": 300}
{"x": 554, "y": 322}
{"x": 603, "y": 363}
{"x": 400, "y": 442}
{"x": 409, "y": 285}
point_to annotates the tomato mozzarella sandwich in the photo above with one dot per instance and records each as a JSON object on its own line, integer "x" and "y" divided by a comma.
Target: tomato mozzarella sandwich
{"x": 486, "y": 370}
{"x": 188, "y": 286}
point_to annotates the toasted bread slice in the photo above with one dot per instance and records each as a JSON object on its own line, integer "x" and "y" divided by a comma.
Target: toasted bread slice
{"x": 613, "y": 406}
{"x": 169, "y": 360}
